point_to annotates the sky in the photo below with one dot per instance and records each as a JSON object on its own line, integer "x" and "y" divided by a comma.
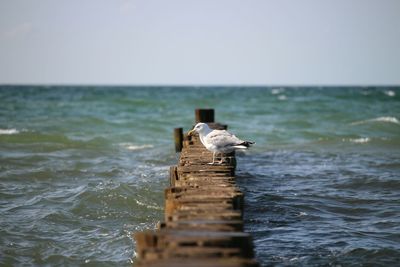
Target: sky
{"x": 200, "y": 42}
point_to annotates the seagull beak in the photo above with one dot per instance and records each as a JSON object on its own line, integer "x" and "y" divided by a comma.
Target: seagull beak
{"x": 191, "y": 132}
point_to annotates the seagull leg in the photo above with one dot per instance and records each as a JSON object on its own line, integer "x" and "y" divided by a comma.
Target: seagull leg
{"x": 212, "y": 163}
{"x": 221, "y": 159}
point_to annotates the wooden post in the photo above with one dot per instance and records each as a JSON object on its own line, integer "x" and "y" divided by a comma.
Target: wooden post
{"x": 173, "y": 175}
{"x": 204, "y": 115}
{"x": 178, "y": 137}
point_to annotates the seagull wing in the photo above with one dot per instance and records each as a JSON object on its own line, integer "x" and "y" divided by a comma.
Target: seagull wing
{"x": 222, "y": 138}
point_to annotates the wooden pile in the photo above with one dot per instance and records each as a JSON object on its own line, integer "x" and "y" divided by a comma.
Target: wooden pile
{"x": 203, "y": 216}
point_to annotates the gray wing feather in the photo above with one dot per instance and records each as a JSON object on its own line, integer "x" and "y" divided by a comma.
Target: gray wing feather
{"x": 222, "y": 138}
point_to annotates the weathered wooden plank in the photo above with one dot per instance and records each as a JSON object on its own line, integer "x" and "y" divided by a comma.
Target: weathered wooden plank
{"x": 202, "y": 224}
{"x": 167, "y": 238}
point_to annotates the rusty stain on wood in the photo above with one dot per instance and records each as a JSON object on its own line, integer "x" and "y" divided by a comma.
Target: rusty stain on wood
{"x": 203, "y": 214}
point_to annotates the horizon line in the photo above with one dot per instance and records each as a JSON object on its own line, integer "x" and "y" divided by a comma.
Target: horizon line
{"x": 193, "y": 85}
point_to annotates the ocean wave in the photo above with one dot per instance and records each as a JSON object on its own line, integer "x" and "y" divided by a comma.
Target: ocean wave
{"x": 276, "y": 91}
{"x": 9, "y": 131}
{"x": 361, "y": 140}
{"x": 34, "y": 137}
{"x": 133, "y": 147}
{"x": 148, "y": 206}
{"x": 390, "y": 93}
{"x": 365, "y": 182}
{"x": 282, "y": 97}
{"x": 379, "y": 119}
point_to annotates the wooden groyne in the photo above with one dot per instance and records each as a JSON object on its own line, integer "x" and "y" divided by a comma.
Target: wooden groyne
{"x": 203, "y": 212}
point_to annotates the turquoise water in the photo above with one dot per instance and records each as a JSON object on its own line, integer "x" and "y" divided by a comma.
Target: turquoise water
{"x": 82, "y": 168}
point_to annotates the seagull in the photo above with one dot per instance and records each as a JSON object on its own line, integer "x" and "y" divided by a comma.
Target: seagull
{"x": 218, "y": 141}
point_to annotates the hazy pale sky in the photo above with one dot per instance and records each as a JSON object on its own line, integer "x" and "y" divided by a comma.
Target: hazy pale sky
{"x": 201, "y": 42}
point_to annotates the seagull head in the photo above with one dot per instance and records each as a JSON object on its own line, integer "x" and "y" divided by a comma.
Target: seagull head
{"x": 200, "y": 128}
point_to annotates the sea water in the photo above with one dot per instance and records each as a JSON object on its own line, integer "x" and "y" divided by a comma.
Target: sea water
{"x": 84, "y": 168}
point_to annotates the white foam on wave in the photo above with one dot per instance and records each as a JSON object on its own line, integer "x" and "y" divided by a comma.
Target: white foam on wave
{"x": 380, "y": 119}
{"x": 276, "y": 91}
{"x": 9, "y": 131}
{"x": 134, "y": 147}
{"x": 362, "y": 140}
{"x": 282, "y": 97}
{"x": 390, "y": 93}
{"x": 149, "y": 206}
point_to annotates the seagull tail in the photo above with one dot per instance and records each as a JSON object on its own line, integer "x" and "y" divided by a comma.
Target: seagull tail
{"x": 240, "y": 147}
{"x": 245, "y": 144}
